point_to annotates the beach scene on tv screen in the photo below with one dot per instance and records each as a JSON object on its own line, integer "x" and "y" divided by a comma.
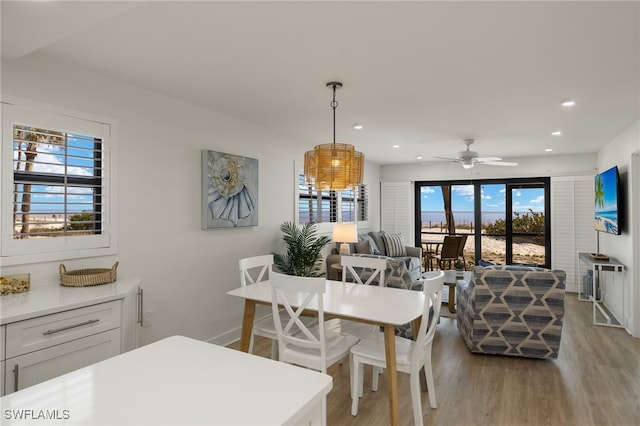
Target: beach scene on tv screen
{"x": 606, "y": 199}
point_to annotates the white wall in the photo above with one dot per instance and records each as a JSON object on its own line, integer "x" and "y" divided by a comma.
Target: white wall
{"x": 186, "y": 271}
{"x": 619, "y": 153}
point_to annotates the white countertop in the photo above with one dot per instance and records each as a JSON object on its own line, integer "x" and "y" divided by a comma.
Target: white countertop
{"x": 176, "y": 381}
{"x": 54, "y": 298}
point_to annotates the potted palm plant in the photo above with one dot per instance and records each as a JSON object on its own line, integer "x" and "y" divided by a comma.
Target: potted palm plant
{"x": 303, "y": 256}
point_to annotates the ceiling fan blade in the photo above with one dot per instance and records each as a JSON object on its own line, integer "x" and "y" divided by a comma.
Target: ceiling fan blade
{"x": 499, "y": 163}
{"x": 487, "y": 159}
{"x": 446, "y": 158}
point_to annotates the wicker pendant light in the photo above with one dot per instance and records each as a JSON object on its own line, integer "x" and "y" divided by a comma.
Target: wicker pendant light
{"x": 334, "y": 166}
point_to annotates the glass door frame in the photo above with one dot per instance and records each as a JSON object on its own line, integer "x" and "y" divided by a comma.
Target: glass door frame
{"x": 510, "y": 183}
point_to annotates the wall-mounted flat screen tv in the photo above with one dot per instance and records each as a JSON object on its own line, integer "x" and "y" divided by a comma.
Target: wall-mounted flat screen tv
{"x": 608, "y": 202}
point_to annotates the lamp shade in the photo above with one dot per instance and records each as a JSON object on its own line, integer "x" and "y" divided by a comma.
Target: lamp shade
{"x": 345, "y": 232}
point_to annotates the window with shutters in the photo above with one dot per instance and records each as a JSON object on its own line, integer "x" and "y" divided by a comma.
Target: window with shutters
{"x": 56, "y": 192}
{"x": 330, "y": 206}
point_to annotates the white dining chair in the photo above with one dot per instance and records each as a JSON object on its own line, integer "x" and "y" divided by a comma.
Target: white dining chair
{"x": 257, "y": 269}
{"x": 376, "y": 267}
{"x": 312, "y": 347}
{"x": 411, "y": 355}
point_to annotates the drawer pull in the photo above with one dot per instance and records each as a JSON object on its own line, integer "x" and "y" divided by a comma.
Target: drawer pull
{"x": 57, "y": 330}
{"x": 16, "y": 372}
{"x": 140, "y": 306}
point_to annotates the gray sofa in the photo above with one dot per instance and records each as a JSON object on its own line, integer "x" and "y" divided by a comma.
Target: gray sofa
{"x": 373, "y": 243}
{"x": 512, "y": 310}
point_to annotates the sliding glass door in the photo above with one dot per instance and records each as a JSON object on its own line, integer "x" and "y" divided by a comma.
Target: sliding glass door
{"x": 446, "y": 210}
{"x": 505, "y": 221}
{"x": 492, "y": 213}
{"x": 527, "y": 232}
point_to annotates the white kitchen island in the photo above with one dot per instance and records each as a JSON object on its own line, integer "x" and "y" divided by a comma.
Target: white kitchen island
{"x": 175, "y": 381}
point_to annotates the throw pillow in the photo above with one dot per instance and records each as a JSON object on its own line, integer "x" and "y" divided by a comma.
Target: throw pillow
{"x": 394, "y": 244}
{"x": 379, "y": 242}
{"x": 373, "y": 248}
{"x": 363, "y": 247}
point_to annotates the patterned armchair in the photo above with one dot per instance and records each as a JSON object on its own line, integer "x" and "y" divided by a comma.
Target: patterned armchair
{"x": 512, "y": 310}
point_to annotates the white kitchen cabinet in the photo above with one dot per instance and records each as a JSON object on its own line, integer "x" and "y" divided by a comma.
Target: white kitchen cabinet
{"x": 132, "y": 307}
{"x": 50, "y": 330}
{"x": 2, "y": 376}
{"x": 35, "y": 367}
{"x": 41, "y": 348}
{"x": 2, "y": 346}
{"x": 53, "y": 330}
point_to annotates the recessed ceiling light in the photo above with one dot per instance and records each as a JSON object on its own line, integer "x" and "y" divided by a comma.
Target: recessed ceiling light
{"x": 396, "y": 146}
{"x": 548, "y": 150}
{"x": 556, "y": 133}
{"x": 357, "y": 126}
{"x": 568, "y": 103}
{"x": 418, "y": 158}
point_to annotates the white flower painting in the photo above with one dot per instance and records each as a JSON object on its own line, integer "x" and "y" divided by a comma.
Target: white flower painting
{"x": 230, "y": 190}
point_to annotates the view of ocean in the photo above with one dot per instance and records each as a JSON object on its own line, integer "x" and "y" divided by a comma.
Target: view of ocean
{"x": 460, "y": 217}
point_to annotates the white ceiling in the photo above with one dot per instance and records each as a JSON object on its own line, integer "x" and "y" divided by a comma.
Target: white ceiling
{"x": 423, "y": 75}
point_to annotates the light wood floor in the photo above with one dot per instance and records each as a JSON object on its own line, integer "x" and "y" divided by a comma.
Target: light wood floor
{"x": 594, "y": 381}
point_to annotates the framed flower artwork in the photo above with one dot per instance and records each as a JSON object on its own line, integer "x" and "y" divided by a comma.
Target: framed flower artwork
{"x": 229, "y": 190}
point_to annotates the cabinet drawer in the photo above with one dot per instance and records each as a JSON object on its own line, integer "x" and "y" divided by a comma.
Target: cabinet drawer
{"x": 36, "y": 367}
{"x": 49, "y": 330}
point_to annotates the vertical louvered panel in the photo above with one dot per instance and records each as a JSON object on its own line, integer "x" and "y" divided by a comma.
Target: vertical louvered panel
{"x": 571, "y": 224}
{"x": 396, "y": 214}
{"x": 584, "y": 238}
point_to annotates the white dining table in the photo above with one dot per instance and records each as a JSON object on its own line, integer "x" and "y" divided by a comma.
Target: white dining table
{"x": 384, "y": 306}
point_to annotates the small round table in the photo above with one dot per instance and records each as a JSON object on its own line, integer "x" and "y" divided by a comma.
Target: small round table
{"x": 335, "y": 272}
{"x": 450, "y": 280}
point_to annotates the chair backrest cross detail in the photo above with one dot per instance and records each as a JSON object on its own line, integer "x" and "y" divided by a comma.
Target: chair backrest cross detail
{"x": 255, "y": 269}
{"x": 374, "y": 267}
{"x": 432, "y": 288}
{"x": 297, "y": 344}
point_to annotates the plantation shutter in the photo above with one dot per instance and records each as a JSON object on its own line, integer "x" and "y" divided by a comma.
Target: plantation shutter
{"x": 396, "y": 213}
{"x": 57, "y": 179}
{"x": 572, "y": 227}
{"x": 330, "y": 206}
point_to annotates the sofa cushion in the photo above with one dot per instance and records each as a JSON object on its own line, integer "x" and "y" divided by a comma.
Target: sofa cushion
{"x": 394, "y": 245}
{"x": 377, "y": 238}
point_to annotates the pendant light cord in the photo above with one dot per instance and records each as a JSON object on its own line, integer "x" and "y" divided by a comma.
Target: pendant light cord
{"x": 334, "y": 105}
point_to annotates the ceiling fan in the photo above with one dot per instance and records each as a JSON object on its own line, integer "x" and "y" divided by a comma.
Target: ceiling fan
{"x": 468, "y": 158}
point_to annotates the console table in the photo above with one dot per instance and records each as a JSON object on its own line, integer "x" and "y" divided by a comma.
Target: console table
{"x": 592, "y": 288}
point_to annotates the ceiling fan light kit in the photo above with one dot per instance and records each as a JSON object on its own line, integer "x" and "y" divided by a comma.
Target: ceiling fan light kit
{"x": 469, "y": 158}
{"x": 467, "y": 164}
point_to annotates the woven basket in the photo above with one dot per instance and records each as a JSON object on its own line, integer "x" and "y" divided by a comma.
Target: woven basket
{"x": 87, "y": 277}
